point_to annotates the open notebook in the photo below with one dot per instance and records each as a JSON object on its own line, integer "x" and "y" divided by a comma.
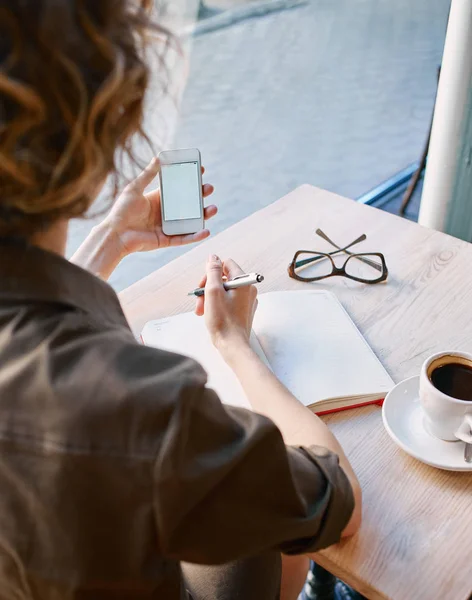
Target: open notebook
{"x": 307, "y": 339}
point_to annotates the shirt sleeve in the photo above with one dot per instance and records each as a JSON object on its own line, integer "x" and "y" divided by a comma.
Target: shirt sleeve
{"x": 226, "y": 486}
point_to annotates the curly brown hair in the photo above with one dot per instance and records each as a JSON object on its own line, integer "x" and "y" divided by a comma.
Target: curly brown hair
{"x": 72, "y": 81}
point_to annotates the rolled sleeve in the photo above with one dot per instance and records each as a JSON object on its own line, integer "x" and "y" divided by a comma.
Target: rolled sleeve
{"x": 338, "y": 499}
{"x": 226, "y": 486}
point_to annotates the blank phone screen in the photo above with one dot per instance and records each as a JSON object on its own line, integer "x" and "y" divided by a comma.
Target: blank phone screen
{"x": 180, "y": 191}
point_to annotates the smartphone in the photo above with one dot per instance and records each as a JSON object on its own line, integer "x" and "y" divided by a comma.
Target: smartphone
{"x": 181, "y": 191}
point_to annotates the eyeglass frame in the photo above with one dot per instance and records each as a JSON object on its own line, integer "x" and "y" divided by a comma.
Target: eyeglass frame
{"x": 339, "y": 271}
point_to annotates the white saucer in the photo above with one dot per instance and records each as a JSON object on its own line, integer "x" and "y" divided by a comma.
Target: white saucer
{"x": 403, "y": 419}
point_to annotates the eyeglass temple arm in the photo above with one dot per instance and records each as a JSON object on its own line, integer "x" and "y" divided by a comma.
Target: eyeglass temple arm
{"x": 312, "y": 259}
{"x": 359, "y": 239}
{"x": 323, "y": 235}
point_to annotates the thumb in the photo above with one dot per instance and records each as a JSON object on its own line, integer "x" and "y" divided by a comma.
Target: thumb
{"x": 214, "y": 270}
{"x": 146, "y": 177}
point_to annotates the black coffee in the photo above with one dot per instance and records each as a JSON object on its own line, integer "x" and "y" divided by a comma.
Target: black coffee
{"x": 454, "y": 379}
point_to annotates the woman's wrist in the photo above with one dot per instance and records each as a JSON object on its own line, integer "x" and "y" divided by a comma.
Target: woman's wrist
{"x": 235, "y": 349}
{"x": 101, "y": 252}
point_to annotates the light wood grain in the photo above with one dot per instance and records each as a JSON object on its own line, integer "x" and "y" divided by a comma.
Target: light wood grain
{"x": 415, "y": 541}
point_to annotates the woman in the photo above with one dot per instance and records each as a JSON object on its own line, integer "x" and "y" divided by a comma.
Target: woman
{"x": 122, "y": 475}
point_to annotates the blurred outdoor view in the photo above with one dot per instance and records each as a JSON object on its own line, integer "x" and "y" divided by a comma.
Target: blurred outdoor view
{"x": 277, "y": 93}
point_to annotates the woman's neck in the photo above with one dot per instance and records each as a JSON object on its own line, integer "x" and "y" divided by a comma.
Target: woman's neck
{"x": 54, "y": 239}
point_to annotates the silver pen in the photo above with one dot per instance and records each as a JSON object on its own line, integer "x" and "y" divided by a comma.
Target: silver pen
{"x": 234, "y": 284}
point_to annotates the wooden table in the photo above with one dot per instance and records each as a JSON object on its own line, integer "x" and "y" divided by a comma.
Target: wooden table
{"x": 416, "y": 540}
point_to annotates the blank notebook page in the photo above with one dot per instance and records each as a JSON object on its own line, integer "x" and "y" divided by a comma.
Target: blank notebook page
{"x": 315, "y": 349}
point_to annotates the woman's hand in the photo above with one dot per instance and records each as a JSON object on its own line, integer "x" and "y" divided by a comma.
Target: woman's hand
{"x": 134, "y": 224}
{"x": 136, "y": 217}
{"x": 228, "y": 314}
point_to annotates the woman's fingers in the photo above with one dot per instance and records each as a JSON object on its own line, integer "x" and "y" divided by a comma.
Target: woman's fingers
{"x": 203, "y": 281}
{"x": 210, "y": 211}
{"x": 200, "y": 304}
{"x": 231, "y": 269}
{"x": 200, "y": 307}
{"x": 146, "y": 177}
{"x": 214, "y": 272}
{"x": 208, "y": 190}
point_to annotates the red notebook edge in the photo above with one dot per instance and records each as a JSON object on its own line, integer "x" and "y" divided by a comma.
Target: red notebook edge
{"x": 335, "y": 410}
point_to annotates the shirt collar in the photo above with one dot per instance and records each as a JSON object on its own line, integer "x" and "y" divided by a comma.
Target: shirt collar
{"x": 32, "y": 274}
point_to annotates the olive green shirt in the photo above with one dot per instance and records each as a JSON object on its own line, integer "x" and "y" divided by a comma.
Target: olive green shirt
{"x": 117, "y": 462}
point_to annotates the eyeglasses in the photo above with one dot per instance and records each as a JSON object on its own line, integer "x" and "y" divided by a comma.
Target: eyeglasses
{"x": 369, "y": 267}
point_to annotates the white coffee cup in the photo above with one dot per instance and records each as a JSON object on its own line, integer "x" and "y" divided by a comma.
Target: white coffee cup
{"x": 446, "y": 417}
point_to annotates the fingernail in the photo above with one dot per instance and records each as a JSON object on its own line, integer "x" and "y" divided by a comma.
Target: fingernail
{"x": 214, "y": 258}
